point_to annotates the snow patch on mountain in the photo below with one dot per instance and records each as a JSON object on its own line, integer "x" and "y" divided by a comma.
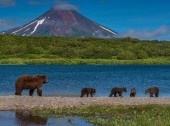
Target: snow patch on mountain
{"x": 23, "y": 27}
{"x": 40, "y": 22}
{"x": 27, "y": 30}
{"x": 107, "y": 30}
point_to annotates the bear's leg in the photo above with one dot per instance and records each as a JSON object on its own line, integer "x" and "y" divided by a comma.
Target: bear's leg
{"x": 120, "y": 94}
{"x": 87, "y": 94}
{"x": 31, "y": 92}
{"x": 82, "y": 94}
{"x": 111, "y": 94}
{"x": 131, "y": 95}
{"x": 151, "y": 94}
{"x": 91, "y": 94}
{"x": 115, "y": 94}
{"x": 39, "y": 92}
{"x": 156, "y": 95}
{"x": 18, "y": 92}
{"x": 134, "y": 94}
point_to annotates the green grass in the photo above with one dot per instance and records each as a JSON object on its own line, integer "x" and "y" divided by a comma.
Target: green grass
{"x": 142, "y": 115}
{"x": 21, "y": 61}
{"x": 58, "y": 50}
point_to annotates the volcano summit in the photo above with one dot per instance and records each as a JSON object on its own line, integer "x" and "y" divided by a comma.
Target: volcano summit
{"x": 64, "y": 23}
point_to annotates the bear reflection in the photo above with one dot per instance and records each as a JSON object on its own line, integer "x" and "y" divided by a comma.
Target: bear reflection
{"x": 24, "y": 118}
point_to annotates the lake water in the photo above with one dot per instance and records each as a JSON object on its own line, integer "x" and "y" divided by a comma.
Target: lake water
{"x": 68, "y": 80}
{"x": 24, "y": 118}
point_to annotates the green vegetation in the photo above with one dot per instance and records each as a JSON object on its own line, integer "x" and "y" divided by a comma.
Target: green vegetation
{"x": 142, "y": 115}
{"x": 58, "y": 50}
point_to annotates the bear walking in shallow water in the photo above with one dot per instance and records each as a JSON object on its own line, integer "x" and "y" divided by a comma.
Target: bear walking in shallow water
{"x": 133, "y": 92}
{"x": 153, "y": 90}
{"x": 88, "y": 91}
{"x": 117, "y": 90}
{"x": 30, "y": 83}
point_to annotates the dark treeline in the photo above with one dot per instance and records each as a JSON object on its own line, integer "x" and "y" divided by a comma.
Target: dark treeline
{"x": 83, "y": 48}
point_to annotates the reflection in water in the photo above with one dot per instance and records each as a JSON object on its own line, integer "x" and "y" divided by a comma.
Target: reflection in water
{"x": 25, "y": 118}
{"x": 68, "y": 121}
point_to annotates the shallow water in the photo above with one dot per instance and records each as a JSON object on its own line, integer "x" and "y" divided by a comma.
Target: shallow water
{"x": 8, "y": 118}
{"x": 68, "y": 80}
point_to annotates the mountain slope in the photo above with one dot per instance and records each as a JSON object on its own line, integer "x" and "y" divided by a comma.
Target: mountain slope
{"x": 67, "y": 23}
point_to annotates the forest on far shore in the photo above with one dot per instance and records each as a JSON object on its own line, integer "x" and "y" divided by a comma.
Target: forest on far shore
{"x": 62, "y": 50}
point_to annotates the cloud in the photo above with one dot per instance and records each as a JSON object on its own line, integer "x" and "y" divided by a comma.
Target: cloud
{"x": 57, "y": 4}
{"x": 38, "y": 2}
{"x": 6, "y": 3}
{"x": 63, "y": 5}
{"x": 6, "y": 24}
{"x": 147, "y": 34}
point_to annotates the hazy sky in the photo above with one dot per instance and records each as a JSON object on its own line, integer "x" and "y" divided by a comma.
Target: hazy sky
{"x": 145, "y": 19}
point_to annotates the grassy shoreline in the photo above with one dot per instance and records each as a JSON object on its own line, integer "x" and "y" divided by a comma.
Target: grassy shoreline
{"x": 66, "y": 61}
{"x": 141, "y": 115}
{"x": 139, "y": 111}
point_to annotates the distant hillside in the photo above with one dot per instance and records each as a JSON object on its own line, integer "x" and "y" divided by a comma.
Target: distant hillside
{"x": 53, "y": 50}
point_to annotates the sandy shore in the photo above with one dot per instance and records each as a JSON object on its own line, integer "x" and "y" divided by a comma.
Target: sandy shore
{"x": 27, "y": 103}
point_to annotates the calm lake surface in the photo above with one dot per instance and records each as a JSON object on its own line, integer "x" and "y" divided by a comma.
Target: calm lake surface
{"x": 8, "y": 118}
{"x": 68, "y": 80}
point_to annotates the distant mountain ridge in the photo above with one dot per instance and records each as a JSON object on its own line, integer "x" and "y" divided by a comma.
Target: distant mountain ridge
{"x": 63, "y": 23}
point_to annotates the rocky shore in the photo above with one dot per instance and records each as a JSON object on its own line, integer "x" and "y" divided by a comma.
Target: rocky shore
{"x": 27, "y": 103}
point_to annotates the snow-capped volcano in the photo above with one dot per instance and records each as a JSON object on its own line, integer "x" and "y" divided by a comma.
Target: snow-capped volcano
{"x": 66, "y": 23}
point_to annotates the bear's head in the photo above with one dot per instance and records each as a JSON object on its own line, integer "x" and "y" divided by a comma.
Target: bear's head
{"x": 133, "y": 90}
{"x": 43, "y": 78}
{"x": 147, "y": 91}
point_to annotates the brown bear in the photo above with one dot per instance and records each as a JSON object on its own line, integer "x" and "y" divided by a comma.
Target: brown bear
{"x": 88, "y": 91}
{"x": 133, "y": 92}
{"x": 30, "y": 83}
{"x": 152, "y": 90}
{"x": 117, "y": 90}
